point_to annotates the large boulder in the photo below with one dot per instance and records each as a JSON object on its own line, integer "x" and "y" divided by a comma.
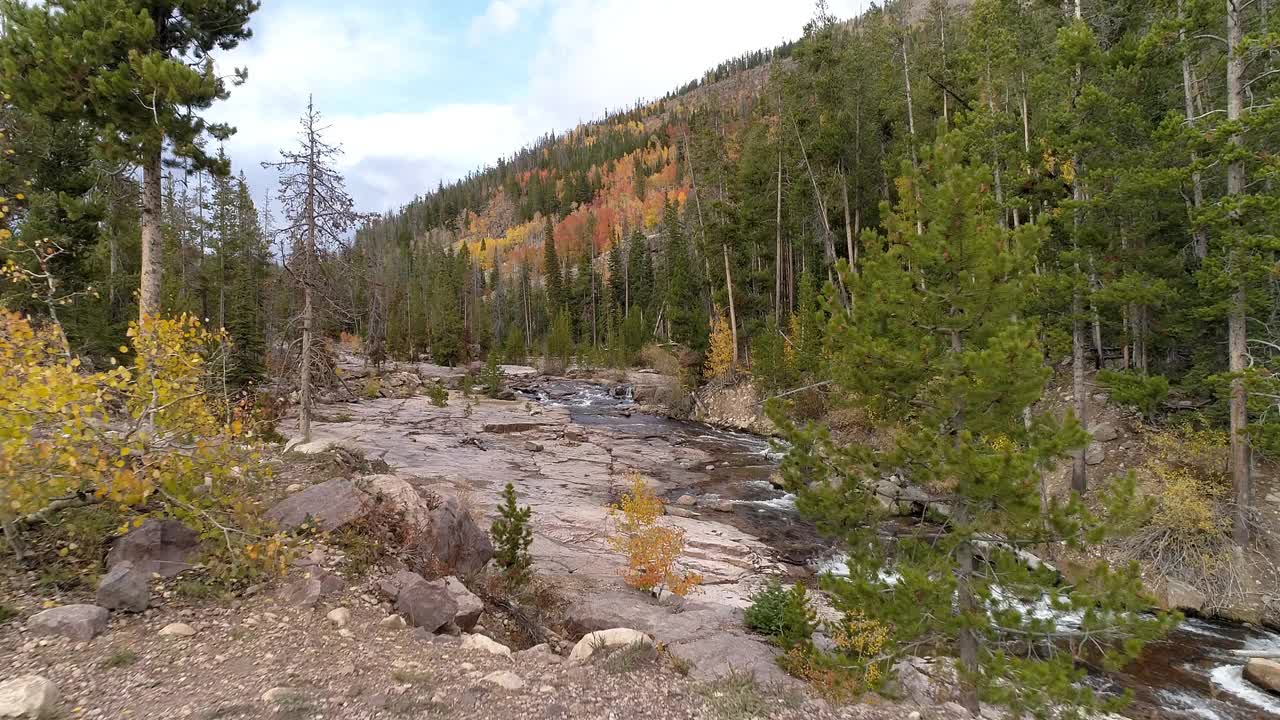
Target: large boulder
{"x": 78, "y": 622}
{"x": 330, "y": 505}
{"x": 391, "y": 585}
{"x": 427, "y": 605}
{"x": 470, "y": 607}
{"x": 1264, "y": 673}
{"x": 601, "y": 639}
{"x": 162, "y": 547}
{"x": 1095, "y": 453}
{"x": 28, "y": 696}
{"x": 925, "y": 681}
{"x": 124, "y": 587}
{"x": 454, "y": 540}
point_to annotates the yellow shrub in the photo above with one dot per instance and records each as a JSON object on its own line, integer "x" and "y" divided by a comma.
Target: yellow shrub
{"x": 720, "y": 353}
{"x": 652, "y": 550}
{"x": 1190, "y": 467}
{"x": 144, "y": 437}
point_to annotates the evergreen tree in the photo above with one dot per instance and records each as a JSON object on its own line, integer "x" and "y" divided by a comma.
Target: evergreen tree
{"x": 512, "y": 537}
{"x": 139, "y": 72}
{"x": 685, "y": 312}
{"x": 940, "y": 348}
{"x": 556, "y": 299}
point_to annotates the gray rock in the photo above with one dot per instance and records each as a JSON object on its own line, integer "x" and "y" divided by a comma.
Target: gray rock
{"x": 686, "y": 501}
{"x": 1095, "y": 454}
{"x": 716, "y": 656}
{"x": 470, "y": 607}
{"x": 600, "y": 639}
{"x": 28, "y": 696}
{"x": 124, "y": 587}
{"x": 454, "y": 540}
{"x": 504, "y": 679}
{"x": 427, "y": 605}
{"x": 1179, "y": 595}
{"x": 339, "y": 616}
{"x": 391, "y": 585}
{"x": 540, "y": 654}
{"x": 393, "y": 622}
{"x": 330, "y": 505}
{"x": 484, "y": 643}
{"x": 177, "y": 630}
{"x": 683, "y": 512}
{"x": 575, "y": 436}
{"x": 308, "y": 590}
{"x": 924, "y": 682}
{"x": 78, "y": 622}
{"x": 1104, "y": 432}
{"x": 163, "y": 547}
{"x": 532, "y": 446}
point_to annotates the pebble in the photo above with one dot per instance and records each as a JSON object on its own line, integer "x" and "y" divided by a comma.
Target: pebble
{"x": 177, "y": 630}
{"x": 339, "y": 616}
{"x": 393, "y": 622}
{"x": 346, "y": 633}
{"x": 504, "y": 679}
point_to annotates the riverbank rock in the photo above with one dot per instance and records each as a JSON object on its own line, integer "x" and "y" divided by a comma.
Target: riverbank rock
{"x": 925, "y": 681}
{"x": 1179, "y": 595}
{"x": 1264, "y": 673}
{"x": 484, "y": 643}
{"x": 309, "y": 589}
{"x": 28, "y": 696}
{"x": 733, "y": 404}
{"x": 504, "y": 679}
{"x": 1095, "y": 454}
{"x": 177, "y": 630}
{"x": 81, "y": 623}
{"x": 124, "y": 587}
{"x": 470, "y": 607}
{"x": 161, "y": 547}
{"x": 1104, "y": 432}
{"x": 601, "y": 639}
{"x": 454, "y": 539}
{"x": 329, "y": 505}
{"x": 427, "y": 605}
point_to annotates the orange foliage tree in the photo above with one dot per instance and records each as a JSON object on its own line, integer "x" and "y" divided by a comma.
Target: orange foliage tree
{"x": 653, "y": 550}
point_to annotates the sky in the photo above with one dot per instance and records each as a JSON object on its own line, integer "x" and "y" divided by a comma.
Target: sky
{"x": 422, "y": 91}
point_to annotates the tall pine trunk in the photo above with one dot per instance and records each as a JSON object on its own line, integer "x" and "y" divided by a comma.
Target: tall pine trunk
{"x": 152, "y": 239}
{"x": 1236, "y": 337}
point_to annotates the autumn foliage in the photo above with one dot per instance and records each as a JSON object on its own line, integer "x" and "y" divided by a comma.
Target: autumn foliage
{"x": 653, "y": 550}
{"x": 147, "y": 436}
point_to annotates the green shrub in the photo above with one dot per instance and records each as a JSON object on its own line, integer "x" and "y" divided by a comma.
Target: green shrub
{"x": 782, "y": 614}
{"x": 1145, "y": 392}
{"x": 559, "y": 344}
{"x": 372, "y": 388}
{"x": 513, "y": 349}
{"x": 436, "y": 393}
{"x": 512, "y": 537}
{"x": 771, "y": 369}
{"x": 492, "y": 379}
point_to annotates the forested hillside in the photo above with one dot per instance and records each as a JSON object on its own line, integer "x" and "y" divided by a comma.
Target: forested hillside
{"x": 945, "y": 245}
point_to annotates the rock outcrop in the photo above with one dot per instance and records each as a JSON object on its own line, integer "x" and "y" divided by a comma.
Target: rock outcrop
{"x": 328, "y": 505}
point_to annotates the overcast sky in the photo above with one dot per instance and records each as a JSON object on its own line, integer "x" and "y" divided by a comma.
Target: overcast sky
{"x": 418, "y": 91}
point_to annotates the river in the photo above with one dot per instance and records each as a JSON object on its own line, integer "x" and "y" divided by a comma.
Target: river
{"x": 1191, "y": 674}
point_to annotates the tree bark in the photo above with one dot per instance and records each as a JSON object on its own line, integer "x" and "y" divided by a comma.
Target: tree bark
{"x": 1241, "y": 482}
{"x": 733, "y": 316}
{"x": 152, "y": 240}
{"x": 777, "y": 263}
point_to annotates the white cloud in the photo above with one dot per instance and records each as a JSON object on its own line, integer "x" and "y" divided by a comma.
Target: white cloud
{"x": 500, "y": 17}
{"x": 605, "y": 54}
{"x": 370, "y": 70}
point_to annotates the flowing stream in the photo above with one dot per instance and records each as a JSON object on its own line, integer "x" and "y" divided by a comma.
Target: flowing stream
{"x": 1191, "y": 674}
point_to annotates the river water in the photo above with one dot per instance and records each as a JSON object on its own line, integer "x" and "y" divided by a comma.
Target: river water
{"x": 1192, "y": 674}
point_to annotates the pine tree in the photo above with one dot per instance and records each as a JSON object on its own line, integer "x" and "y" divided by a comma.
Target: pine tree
{"x": 940, "y": 349}
{"x": 684, "y": 308}
{"x": 512, "y": 536}
{"x": 126, "y": 68}
{"x": 556, "y": 299}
